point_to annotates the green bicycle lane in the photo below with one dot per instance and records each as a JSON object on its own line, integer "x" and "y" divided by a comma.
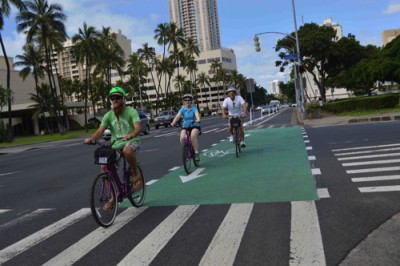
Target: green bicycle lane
{"x": 274, "y": 167}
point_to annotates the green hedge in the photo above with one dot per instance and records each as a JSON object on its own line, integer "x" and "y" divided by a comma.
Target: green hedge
{"x": 363, "y": 103}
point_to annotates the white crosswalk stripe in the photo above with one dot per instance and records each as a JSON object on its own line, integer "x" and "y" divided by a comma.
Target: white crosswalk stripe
{"x": 222, "y": 249}
{"x": 363, "y": 160}
{"x": 28, "y": 242}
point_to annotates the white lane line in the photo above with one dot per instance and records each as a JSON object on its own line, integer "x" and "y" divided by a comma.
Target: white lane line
{"x": 225, "y": 244}
{"x": 9, "y": 173}
{"x": 308, "y": 148}
{"x": 306, "y": 141}
{"x": 380, "y": 169}
{"x": 305, "y": 229}
{"x": 379, "y": 189}
{"x": 364, "y": 152}
{"x": 372, "y": 162}
{"x": 375, "y": 178}
{"x": 222, "y": 129}
{"x": 75, "y": 252}
{"x": 323, "y": 193}
{"x": 208, "y": 131}
{"x": 28, "y": 242}
{"x": 312, "y": 158}
{"x": 4, "y": 210}
{"x": 151, "y": 182}
{"x": 174, "y": 168}
{"x": 368, "y": 156}
{"x": 367, "y": 147}
{"x": 150, "y": 246}
{"x": 166, "y": 134}
{"x": 315, "y": 171}
{"x": 24, "y": 218}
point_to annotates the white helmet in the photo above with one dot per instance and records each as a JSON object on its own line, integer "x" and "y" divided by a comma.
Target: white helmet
{"x": 231, "y": 89}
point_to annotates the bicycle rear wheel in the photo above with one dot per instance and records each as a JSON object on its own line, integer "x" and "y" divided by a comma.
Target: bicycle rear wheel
{"x": 136, "y": 197}
{"x": 103, "y": 200}
{"x": 187, "y": 158}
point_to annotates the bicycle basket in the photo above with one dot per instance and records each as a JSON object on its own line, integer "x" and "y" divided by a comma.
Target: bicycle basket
{"x": 104, "y": 155}
{"x": 235, "y": 122}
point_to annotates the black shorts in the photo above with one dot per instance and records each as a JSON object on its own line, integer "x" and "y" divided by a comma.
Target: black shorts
{"x": 190, "y": 129}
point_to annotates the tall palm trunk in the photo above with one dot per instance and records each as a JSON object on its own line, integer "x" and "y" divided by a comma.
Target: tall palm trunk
{"x": 52, "y": 85}
{"x": 10, "y": 130}
{"x": 40, "y": 103}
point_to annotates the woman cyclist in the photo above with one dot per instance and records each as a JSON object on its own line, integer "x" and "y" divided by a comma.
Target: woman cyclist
{"x": 191, "y": 121}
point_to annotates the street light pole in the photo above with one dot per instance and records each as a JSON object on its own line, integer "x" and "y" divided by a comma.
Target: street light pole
{"x": 303, "y": 111}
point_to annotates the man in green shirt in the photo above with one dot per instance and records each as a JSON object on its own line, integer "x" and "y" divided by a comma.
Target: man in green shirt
{"x": 124, "y": 124}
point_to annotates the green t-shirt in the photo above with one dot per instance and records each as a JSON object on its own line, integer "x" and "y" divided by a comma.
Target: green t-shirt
{"x": 125, "y": 125}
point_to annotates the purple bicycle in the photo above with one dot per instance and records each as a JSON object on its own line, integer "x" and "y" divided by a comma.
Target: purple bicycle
{"x": 188, "y": 154}
{"x": 109, "y": 188}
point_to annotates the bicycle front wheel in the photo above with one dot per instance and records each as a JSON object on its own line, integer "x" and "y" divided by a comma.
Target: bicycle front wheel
{"x": 103, "y": 200}
{"x": 237, "y": 142}
{"x": 136, "y": 197}
{"x": 187, "y": 158}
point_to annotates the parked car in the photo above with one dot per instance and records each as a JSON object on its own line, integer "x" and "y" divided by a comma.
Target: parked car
{"x": 265, "y": 109}
{"x": 144, "y": 120}
{"x": 164, "y": 118}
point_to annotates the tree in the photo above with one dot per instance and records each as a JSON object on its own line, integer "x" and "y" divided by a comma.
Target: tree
{"x": 40, "y": 21}
{"x": 85, "y": 49}
{"x": 5, "y": 10}
{"x": 390, "y": 61}
{"x": 321, "y": 55}
{"x": 202, "y": 81}
{"x": 31, "y": 62}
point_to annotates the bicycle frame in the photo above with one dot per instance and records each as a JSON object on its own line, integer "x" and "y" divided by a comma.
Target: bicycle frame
{"x": 120, "y": 184}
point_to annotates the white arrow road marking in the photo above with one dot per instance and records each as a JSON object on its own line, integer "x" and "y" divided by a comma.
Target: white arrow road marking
{"x": 192, "y": 176}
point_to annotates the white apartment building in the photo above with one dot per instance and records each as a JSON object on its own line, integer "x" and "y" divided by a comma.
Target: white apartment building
{"x": 274, "y": 88}
{"x": 69, "y": 68}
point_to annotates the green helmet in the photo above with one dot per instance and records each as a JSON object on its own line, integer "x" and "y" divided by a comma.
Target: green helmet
{"x": 117, "y": 90}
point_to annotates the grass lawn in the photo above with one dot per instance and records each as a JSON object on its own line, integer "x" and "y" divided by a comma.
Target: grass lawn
{"x": 371, "y": 112}
{"x": 44, "y": 138}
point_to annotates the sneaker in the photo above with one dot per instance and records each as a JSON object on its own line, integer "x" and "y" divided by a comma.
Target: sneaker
{"x": 197, "y": 157}
{"x": 242, "y": 144}
{"x": 231, "y": 139}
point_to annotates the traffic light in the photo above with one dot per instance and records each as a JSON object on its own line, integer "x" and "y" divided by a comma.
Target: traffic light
{"x": 257, "y": 43}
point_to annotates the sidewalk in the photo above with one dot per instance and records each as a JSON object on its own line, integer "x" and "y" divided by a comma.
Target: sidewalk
{"x": 327, "y": 119}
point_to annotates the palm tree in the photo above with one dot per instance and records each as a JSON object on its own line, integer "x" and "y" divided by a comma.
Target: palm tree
{"x": 5, "y": 10}
{"x": 148, "y": 55}
{"x": 202, "y": 81}
{"x": 85, "y": 49}
{"x": 161, "y": 35}
{"x": 110, "y": 56}
{"x": 137, "y": 70}
{"x": 216, "y": 68}
{"x": 38, "y": 22}
{"x": 43, "y": 102}
{"x": 31, "y": 62}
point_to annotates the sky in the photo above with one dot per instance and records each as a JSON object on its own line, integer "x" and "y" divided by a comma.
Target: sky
{"x": 239, "y": 21}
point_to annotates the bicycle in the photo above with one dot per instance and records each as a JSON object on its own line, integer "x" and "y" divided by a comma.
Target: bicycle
{"x": 108, "y": 185}
{"x": 188, "y": 153}
{"x": 235, "y": 124}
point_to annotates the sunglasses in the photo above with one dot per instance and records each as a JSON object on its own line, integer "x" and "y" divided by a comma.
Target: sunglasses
{"x": 115, "y": 97}
{"x": 187, "y": 100}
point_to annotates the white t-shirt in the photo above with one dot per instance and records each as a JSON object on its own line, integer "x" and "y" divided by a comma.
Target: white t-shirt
{"x": 234, "y": 107}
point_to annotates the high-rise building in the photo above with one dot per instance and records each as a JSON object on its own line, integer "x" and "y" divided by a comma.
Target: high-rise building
{"x": 199, "y": 20}
{"x": 389, "y": 35}
{"x": 336, "y": 26}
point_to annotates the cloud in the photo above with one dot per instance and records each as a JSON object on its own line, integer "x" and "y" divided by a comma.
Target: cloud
{"x": 392, "y": 8}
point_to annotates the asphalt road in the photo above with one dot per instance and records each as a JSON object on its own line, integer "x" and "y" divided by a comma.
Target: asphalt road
{"x": 44, "y": 215}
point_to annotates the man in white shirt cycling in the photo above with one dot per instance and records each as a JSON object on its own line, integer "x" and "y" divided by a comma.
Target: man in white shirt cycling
{"x": 235, "y": 105}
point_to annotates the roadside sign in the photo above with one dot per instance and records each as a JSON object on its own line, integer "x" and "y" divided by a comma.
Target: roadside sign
{"x": 290, "y": 56}
{"x": 250, "y": 85}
